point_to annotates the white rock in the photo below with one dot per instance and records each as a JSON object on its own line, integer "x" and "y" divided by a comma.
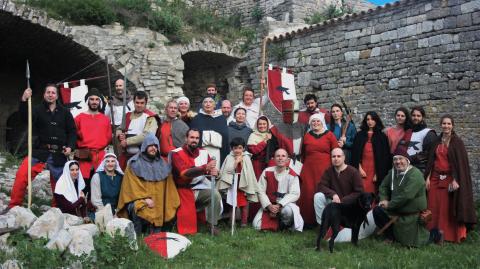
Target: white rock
{"x": 90, "y": 228}
{"x": 4, "y": 247}
{"x": 11, "y": 264}
{"x": 82, "y": 243}
{"x": 72, "y": 220}
{"x": 24, "y": 217}
{"x": 60, "y": 241}
{"x": 125, "y": 228}
{"x": 8, "y": 221}
{"x": 48, "y": 225}
{"x": 103, "y": 216}
{"x": 45, "y": 208}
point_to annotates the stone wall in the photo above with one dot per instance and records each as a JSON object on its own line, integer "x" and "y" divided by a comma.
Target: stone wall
{"x": 413, "y": 53}
{"x": 282, "y": 10}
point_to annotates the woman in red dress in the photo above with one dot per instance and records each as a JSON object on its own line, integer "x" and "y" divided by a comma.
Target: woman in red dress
{"x": 262, "y": 145}
{"x": 449, "y": 185}
{"x": 402, "y": 131}
{"x": 316, "y": 148}
{"x": 371, "y": 153}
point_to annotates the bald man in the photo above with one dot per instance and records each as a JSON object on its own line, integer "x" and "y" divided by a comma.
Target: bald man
{"x": 279, "y": 189}
{"x": 341, "y": 183}
{"x": 117, "y": 103}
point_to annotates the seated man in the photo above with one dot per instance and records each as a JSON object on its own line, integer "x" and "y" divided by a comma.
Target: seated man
{"x": 279, "y": 189}
{"x": 402, "y": 198}
{"x": 106, "y": 183}
{"x": 341, "y": 183}
{"x": 148, "y": 196}
{"x": 191, "y": 164}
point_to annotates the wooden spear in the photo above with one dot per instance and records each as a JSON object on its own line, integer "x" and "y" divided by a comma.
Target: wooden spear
{"x": 262, "y": 78}
{"x": 29, "y": 158}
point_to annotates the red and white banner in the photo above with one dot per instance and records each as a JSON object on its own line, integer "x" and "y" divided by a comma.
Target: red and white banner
{"x": 73, "y": 97}
{"x": 281, "y": 86}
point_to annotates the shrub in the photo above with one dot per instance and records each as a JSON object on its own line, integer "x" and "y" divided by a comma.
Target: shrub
{"x": 257, "y": 13}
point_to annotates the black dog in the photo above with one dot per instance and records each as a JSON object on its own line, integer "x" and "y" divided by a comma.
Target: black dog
{"x": 347, "y": 215}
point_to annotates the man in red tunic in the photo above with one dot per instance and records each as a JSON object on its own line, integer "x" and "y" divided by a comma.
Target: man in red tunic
{"x": 311, "y": 107}
{"x": 172, "y": 131}
{"x": 138, "y": 123}
{"x": 190, "y": 165}
{"x": 279, "y": 189}
{"x": 94, "y": 134}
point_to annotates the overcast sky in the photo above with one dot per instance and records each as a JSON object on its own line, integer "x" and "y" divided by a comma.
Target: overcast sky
{"x": 381, "y": 2}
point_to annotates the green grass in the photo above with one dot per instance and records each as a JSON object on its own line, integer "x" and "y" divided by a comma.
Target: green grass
{"x": 252, "y": 249}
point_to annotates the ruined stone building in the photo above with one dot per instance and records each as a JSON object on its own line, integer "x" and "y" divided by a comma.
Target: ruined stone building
{"x": 422, "y": 52}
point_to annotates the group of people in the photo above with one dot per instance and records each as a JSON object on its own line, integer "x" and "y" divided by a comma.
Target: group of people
{"x": 162, "y": 176}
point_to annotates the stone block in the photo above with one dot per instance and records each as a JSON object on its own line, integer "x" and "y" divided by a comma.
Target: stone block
{"x": 450, "y": 22}
{"x": 103, "y": 216}
{"x": 375, "y": 38}
{"x": 352, "y": 55}
{"x": 81, "y": 243}
{"x": 406, "y": 31}
{"x": 428, "y": 6}
{"x": 393, "y": 83}
{"x": 304, "y": 78}
{"x": 375, "y": 52}
{"x": 365, "y": 54}
{"x": 464, "y": 20}
{"x": 416, "y": 19}
{"x": 470, "y": 6}
{"x": 426, "y": 26}
{"x": 437, "y": 13}
{"x": 47, "y": 225}
{"x": 123, "y": 227}
{"x": 476, "y": 17}
{"x": 390, "y": 35}
{"x": 72, "y": 220}
{"x": 90, "y": 228}
{"x": 60, "y": 241}
{"x": 416, "y": 97}
{"x": 24, "y": 217}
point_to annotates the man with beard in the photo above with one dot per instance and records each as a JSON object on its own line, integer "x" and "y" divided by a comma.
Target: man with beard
{"x": 117, "y": 103}
{"x": 213, "y": 92}
{"x": 422, "y": 139}
{"x": 311, "y": 107}
{"x": 148, "y": 196}
{"x": 172, "y": 130}
{"x": 227, "y": 110}
{"x": 54, "y": 138}
{"x": 190, "y": 166}
{"x": 138, "y": 123}
{"x": 94, "y": 134}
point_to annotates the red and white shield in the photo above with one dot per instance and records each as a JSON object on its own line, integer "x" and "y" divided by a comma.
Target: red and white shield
{"x": 167, "y": 245}
{"x": 281, "y": 86}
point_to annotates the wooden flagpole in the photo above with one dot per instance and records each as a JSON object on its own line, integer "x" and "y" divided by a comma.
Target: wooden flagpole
{"x": 262, "y": 78}
{"x": 29, "y": 158}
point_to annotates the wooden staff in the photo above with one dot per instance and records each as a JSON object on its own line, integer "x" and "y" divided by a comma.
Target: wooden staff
{"x": 29, "y": 158}
{"x": 262, "y": 78}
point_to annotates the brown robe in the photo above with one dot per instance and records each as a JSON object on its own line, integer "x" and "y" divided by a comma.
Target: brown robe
{"x": 463, "y": 204}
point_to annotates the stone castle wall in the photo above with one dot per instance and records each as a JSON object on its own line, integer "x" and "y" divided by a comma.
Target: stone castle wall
{"x": 413, "y": 53}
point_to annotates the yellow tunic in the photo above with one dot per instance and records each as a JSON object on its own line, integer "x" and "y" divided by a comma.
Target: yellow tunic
{"x": 163, "y": 193}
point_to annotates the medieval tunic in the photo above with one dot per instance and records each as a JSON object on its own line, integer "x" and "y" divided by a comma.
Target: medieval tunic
{"x": 94, "y": 132}
{"x": 137, "y": 126}
{"x": 147, "y": 177}
{"x": 67, "y": 192}
{"x": 238, "y": 130}
{"x": 316, "y": 155}
{"x": 451, "y": 211}
{"x": 192, "y": 191}
{"x": 117, "y": 104}
{"x": 213, "y": 134}
{"x": 172, "y": 135}
{"x": 52, "y": 129}
{"x": 420, "y": 145}
{"x": 347, "y": 184}
{"x": 278, "y": 188}
{"x": 362, "y": 154}
{"x": 394, "y": 134}
{"x": 105, "y": 189}
{"x": 406, "y": 195}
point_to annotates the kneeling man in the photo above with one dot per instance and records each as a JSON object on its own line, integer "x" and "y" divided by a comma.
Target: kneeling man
{"x": 402, "y": 198}
{"x": 279, "y": 189}
{"x": 148, "y": 196}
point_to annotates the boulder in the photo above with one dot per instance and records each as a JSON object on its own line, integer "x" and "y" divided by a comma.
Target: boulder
{"x": 11, "y": 264}
{"x": 4, "y": 247}
{"x": 48, "y": 225}
{"x": 82, "y": 243}
{"x": 24, "y": 217}
{"x": 103, "y": 216}
{"x": 125, "y": 228}
{"x": 72, "y": 220}
{"x": 90, "y": 228}
{"x": 8, "y": 221}
{"x": 61, "y": 241}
